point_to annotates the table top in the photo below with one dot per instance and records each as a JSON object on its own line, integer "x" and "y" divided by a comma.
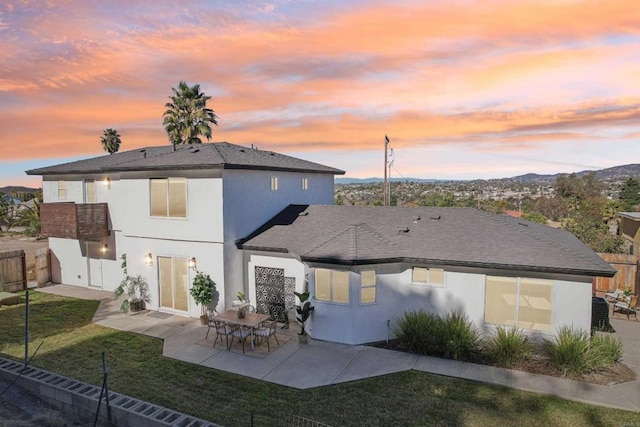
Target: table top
{"x": 250, "y": 319}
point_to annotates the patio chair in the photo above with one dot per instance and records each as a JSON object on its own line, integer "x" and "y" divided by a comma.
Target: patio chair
{"x": 614, "y": 296}
{"x": 242, "y": 333}
{"x": 267, "y": 331}
{"x": 251, "y": 309}
{"x": 221, "y": 328}
{"x": 627, "y": 308}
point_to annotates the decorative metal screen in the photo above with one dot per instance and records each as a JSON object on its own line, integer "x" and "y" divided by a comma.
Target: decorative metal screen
{"x": 274, "y": 292}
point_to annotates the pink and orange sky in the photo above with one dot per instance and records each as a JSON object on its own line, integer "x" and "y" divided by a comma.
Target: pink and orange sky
{"x": 465, "y": 89}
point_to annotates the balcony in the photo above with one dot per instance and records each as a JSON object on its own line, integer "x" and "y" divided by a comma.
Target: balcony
{"x": 81, "y": 221}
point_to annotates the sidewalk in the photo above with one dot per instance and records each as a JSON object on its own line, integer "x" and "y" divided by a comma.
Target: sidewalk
{"x": 321, "y": 363}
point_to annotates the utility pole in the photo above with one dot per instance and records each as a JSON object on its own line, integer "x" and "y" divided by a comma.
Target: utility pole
{"x": 386, "y": 147}
{"x": 387, "y": 165}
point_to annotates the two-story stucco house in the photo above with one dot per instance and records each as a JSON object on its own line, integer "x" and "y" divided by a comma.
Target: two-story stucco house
{"x": 265, "y": 223}
{"x": 168, "y": 210}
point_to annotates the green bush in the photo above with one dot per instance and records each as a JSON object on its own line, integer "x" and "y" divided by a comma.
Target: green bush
{"x": 574, "y": 353}
{"x": 452, "y": 336}
{"x": 605, "y": 351}
{"x": 568, "y": 351}
{"x": 507, "y": 347}
{"x": 416, "y": 332}
{"x": 458, "y": 336}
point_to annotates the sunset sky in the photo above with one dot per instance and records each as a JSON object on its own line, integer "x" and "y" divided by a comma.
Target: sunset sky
{"x": 465, "y": 89}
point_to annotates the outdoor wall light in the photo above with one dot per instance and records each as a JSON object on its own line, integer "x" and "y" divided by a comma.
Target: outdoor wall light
{"x": 192, "y": 263}
{"x": 148, "y": 259}
{"x": 107, "y": 182}
{"x": 104, "y": 248}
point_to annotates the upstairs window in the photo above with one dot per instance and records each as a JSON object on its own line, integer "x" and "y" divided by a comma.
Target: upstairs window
{"x": 428, "y": 276}
{"x": 332, "y": 285}
{"x": 89, "y": 191}
{"x": 62, "y": 190}
{"x": 168, "y": 197}
{"x": 274, "y": 183}
{"x": 305, "y": 184}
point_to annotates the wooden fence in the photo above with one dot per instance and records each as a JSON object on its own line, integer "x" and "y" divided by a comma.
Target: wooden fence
{"x": 42, "y": 266}
{"x": 13, "y": 271}
{"x": 628, "y": 275}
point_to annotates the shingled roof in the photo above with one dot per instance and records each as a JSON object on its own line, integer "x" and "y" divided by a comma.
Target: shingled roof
{"x": 352, "y": 235}
{"x": 219, "y": 155}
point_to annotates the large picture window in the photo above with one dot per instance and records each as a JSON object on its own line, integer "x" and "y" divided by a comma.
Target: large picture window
{"x": 520, "y": 302}
{"x": 168, "y": 197}
{"x": 332, "y": 285}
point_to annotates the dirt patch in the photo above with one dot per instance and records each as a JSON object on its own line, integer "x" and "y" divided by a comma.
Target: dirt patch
{"x": 614, "y": 374}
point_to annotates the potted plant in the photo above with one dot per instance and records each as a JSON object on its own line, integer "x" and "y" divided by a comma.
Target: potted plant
{"x": 303, "y": 310}
{"x": 203, "y": 291}
{"x": 135, "y": 288}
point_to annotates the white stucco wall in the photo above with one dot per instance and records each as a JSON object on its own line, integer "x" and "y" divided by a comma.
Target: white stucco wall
{"x": 355, "y": 323}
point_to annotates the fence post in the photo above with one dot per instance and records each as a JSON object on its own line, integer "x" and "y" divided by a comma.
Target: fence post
{"x": 25, "y": 276}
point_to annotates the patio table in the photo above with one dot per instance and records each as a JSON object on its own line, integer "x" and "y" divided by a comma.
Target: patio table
{"x": 250, "y": 320}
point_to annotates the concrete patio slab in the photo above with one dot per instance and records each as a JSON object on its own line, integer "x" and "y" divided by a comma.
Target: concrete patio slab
{"x": 436, "y": 365}
{"x": 543, "y": 384}
{"x": 487, "y": 374}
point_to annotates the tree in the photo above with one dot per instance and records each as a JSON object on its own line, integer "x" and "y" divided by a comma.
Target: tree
{"x": 110, "y": 141}
{"x": 29, "y": 217}
{"x": 187, "y": 116}
{"x": 630, "y": 193}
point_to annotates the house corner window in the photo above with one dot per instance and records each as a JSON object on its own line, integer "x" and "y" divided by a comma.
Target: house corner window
{"x": 305, "y": 184}
{"x": 274, "y": 183}
{"x": 62, "y": 190}
{"x": 168, "y": 197}
{"x": 332, "y": 285}
{"x": 427, "y": 276}
{"x": 368, "y": 287}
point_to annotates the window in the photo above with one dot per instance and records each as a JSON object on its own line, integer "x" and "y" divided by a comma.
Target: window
{"x": 332, "y": 285}
{"x": 62, "y": 190}
{"x": 428, "y": 276}
{"x": 305, "y": 184}
{"x": 89, "y": 191}
{"x": 367, "y": 287}
{"x": 274, "y": 183}
{"x": 168, "y": 197}
{"x": 520, "y": 302}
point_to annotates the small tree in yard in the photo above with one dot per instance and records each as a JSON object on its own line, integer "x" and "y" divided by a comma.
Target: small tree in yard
{"x": 203, "y": 291}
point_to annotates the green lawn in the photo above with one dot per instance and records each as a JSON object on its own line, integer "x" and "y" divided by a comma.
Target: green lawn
{"x": 72, "y": 347}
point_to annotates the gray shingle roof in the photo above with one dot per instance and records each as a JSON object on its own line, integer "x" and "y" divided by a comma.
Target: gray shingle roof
{"x": 196, "y": 156}
{"x": 446, "y": 236}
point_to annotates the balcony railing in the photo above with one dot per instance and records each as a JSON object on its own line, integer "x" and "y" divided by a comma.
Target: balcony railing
{"x": 86, "y": 221}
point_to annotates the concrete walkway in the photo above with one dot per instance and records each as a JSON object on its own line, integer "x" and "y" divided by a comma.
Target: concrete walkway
{"x": 321, "y": 363}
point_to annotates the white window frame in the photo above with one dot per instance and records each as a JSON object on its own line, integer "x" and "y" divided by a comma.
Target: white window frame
{"x": 428, "y": 281}
{"x": 274, "y": 183}
{"x": 368, "y": 286}
{"x": 168, "y": 198}
{"x": 88, "y": 183}
{"x": 519, "y": 298}
{"x": 305, "y": 184}
{"x": 332, "y": 297}
{"x": 62, "y": 190}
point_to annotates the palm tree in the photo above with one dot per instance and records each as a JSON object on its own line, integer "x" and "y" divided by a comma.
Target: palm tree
{"x": 187, "y": 116}
{"x": 29, "y": 217}
{"x": 110, "y": 141}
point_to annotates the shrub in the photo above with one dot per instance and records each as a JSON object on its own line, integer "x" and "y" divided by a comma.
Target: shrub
{"x": 605, "y": 351}
{"x": 508, "y": 347}
{"x": 416, "y": 331}
{"x": 568, "y": 351}
{"x": 459, "y": 338}
{"x": 452, "y": 336}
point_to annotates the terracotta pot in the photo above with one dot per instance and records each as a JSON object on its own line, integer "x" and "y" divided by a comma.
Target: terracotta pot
{"x": 204, "y": 320}
{"x": 136, "y": 306}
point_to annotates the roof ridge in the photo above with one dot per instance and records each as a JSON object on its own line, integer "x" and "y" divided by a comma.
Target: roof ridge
{"x": 510, "y": 222}
{"x": 337, "y": 233}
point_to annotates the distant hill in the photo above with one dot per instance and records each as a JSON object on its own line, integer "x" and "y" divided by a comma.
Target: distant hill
{"x": 17, "y": 188}
{"x": 613, "y": 173}
{"x": 616, "y": 172}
